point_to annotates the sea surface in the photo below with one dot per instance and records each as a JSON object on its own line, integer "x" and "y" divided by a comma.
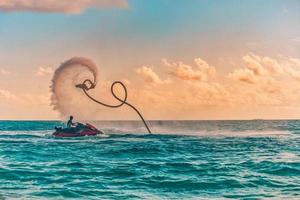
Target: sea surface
{"x": 255, "y": 159}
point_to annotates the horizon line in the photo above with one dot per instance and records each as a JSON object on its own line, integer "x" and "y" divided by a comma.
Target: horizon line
{"x": 266, "y": 119}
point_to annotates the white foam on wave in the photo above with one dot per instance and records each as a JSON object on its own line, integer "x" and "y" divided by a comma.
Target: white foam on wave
{"x": 160, "y": 131}
{"x": 27, "y": 133}
{"x": 250, "y": 133}
{"x": 196, "y": 128}
{"x": 214, "y": 133}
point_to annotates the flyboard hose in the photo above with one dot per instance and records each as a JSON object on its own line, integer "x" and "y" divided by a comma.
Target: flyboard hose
{"x": 88, "y": 84}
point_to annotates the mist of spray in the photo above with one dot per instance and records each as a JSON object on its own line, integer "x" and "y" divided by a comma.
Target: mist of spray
{"x": 66, "y": 99}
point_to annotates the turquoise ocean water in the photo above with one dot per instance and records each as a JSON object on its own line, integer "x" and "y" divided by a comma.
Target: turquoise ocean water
{"x": 183, "y": 160}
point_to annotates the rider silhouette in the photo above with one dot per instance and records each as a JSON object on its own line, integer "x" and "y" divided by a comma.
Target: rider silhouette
{"x": 70, "y": 123}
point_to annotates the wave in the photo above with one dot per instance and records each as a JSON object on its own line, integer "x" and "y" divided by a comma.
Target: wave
{"x": 175, "y": 128}
{"x": 133, "y": 133}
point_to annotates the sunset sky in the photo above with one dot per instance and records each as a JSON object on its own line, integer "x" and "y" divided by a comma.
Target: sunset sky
{"x": 181, "y": 59}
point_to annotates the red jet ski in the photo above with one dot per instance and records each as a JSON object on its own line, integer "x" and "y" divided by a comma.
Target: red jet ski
{"x": 79, "y": 131}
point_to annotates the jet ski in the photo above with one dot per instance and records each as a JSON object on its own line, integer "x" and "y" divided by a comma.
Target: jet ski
{"x": 79, "y": 131}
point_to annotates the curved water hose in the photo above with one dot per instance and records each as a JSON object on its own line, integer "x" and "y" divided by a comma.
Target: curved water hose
{"x": 88, "y": 84}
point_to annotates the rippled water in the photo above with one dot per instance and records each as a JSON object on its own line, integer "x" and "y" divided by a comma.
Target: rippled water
{"x": 183, "y": 160}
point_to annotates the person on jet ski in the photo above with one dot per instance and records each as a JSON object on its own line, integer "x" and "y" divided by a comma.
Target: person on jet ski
{"x": 71, "y": 124}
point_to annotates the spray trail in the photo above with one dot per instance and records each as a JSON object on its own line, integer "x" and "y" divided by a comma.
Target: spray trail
{"x": 66, "y": 99}
{"x": 70, "y": 76}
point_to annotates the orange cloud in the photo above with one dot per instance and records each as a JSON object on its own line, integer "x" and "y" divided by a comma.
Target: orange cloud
{"x": 204, "y": 67}
{"x": 272, "y": 66}
{"x": 252, "y": 62}
{"x": 258, "y": 69}
{"x": 293, "y": 73}
{"x": 262, "y": 65}
{"x": 64, "y": 6}
{"x": 267, "y": 90}
{"x": 25, "y": 98}
{"x": 295, "y": 61}
{"x": 150, "y": 76}
{"x": 292, "y": 68}
{"x": 244, "y": 75}
{"x": 4, "y": 72}
{"x": 7, "y": 95}
{"x": 186, "y": 72}
{"x": 44, "y": 71}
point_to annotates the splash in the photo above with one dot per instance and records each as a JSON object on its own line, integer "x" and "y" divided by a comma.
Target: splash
{"x": 65, "y": 97}
{"x": 70, "y": 76}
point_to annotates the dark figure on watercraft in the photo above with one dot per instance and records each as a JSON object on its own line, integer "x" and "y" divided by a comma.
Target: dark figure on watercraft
{"x": 70, "y": 123}
{"x": 76, "y": 129}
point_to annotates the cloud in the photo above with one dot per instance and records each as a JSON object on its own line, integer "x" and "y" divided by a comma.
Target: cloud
{"x": 189, "y": 73}
{"x": 244, "y": 75}
{"x": 207, "y": 94}
{"x": 186, "y": 72}
{"x": 212, "y": 93}
{"x": 290, "y": 68}
{"x": 293, "y": 73}
{"x": 262, "y": 65}
{"x": 44, "y": 71}
{"x": 57, "y": 6}
{"x": 126, "y": 81}
{"x": 204, "y": 67}
{"x": 25, "y": 98}
{"x": 150, "y": 76}
{"x": 7, "y": 95}
{"x": 271, "y": 65}
{"x": 253, "y": 62}
{"x": 267, "y": 78}
{"x": 4, "y": 72}
{"x": 295, "y": 62}
{"x": 258, "y": 69}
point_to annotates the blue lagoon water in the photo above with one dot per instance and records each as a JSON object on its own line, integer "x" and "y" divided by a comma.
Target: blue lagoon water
{"x": 183, "y": 160}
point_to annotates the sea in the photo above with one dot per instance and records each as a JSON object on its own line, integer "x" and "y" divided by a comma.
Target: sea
{"x": 255, "y": 159}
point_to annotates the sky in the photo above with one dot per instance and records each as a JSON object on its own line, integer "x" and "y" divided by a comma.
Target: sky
{"x": 182, "y": 60}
